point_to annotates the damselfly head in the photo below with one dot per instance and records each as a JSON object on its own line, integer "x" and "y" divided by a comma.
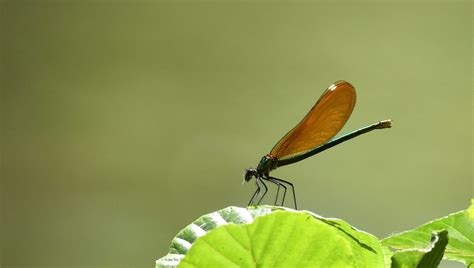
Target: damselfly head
{"x": 249, "y": 173}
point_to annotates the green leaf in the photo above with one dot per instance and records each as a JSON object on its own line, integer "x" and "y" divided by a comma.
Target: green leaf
{"x": 460, "y": 228}
{"x": 280, "y": 237}
{"x": 267, "y": 236}
{"x": 407, "y": 258}
{"x": 429, "y": 257}
{"x": 186, "y": 237}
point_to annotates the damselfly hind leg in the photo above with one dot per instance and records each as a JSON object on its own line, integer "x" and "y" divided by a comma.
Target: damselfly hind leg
{"x": 278, "y": 190}
{"x": 292, "y": 188}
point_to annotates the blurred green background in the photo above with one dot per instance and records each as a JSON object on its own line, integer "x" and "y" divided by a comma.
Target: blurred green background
{"x": 122, "y": 123}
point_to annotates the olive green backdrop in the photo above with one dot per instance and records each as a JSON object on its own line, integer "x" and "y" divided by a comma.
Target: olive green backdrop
{"x": 122, "y": 123}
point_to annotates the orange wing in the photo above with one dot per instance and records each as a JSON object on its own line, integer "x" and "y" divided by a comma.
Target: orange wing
{"x": 322, "y": 122}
